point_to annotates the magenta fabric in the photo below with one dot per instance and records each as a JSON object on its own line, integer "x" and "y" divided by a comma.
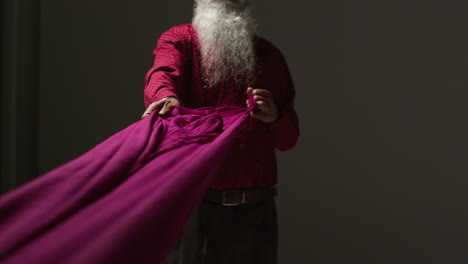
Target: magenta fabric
{"x": 124, "y": 201}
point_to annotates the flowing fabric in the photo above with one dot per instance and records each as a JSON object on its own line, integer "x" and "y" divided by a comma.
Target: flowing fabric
{"x": 124, "y": 201}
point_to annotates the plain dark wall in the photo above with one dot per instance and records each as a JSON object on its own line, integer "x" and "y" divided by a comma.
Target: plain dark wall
{"x": 20, "y": 33}
{"x": 379, "y": 174}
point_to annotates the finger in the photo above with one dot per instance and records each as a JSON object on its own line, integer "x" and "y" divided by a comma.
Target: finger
{"x": 262, "y": 106}
{"x": 259, "y": 98}
{"x": 153, "y": 107}
{"x": 173, "y": 101}
{"x": 263, "y": 92}
{"x": 266, "y": 111}
{"x": 257, "y": 114}
{"x": 166, "y": 109}
{"x": 250, "y": 91}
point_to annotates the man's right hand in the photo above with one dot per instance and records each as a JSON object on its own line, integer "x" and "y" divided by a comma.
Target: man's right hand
{"x": 164, "y": 107}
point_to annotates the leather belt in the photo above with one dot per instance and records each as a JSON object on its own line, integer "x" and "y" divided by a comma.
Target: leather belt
{"x": 238, "y": 197}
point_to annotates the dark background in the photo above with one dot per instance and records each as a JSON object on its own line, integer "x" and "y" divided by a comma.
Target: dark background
{"x": 380, "y": 171}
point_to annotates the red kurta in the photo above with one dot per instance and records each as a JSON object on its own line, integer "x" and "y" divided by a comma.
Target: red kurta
{"x": 252, "y": 160}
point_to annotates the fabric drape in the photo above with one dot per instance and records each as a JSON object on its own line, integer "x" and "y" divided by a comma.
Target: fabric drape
{"x": 127, "y": 199}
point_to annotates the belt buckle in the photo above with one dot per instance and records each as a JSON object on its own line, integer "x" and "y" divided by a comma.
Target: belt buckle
{"x": 224, "y": 203}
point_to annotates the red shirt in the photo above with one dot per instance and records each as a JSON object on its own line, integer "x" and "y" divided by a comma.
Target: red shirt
{"x": 252, "y": 160}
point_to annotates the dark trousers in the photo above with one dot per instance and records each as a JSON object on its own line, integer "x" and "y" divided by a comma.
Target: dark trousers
{"x": 219, "y": 234}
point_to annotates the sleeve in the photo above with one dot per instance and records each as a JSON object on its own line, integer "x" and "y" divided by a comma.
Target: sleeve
{"x": 285, "y": 130}
{"x": 165, "y": 78}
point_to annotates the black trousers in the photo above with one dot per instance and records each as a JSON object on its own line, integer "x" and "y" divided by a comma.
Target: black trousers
{"x": 219, "y": 234}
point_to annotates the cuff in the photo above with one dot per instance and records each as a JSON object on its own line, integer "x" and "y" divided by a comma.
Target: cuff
{"x": 164, "y": 94}
{"x": 278, "y": 124}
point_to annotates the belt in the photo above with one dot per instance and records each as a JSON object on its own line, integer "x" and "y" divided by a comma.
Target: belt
{"x": 238, "y": 197}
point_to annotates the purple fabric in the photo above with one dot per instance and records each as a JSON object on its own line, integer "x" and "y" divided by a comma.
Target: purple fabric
{"x": 124, "y": 201}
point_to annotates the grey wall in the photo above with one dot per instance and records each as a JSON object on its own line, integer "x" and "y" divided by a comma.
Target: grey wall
{"x": 379, "y": 175}
{"x": 20, "y": 33}
{"x": 94, "y": 57}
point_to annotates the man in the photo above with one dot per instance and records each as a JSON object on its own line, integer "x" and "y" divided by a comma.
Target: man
{"x": 217, "y": 60}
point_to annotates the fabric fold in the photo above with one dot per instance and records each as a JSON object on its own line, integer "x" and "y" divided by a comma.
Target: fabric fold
{"x": 127, "y": 199}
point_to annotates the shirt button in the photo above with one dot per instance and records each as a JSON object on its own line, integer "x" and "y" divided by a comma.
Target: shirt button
{"x": 241, "y": 146}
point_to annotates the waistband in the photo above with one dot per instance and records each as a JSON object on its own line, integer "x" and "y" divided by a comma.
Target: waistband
{"x": 238, "y": 197}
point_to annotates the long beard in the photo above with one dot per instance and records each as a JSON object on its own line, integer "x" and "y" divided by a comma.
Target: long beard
{"x": 226, "y": 35}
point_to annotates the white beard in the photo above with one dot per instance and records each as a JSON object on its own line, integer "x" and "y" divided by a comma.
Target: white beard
{"x": 225, "y": 32}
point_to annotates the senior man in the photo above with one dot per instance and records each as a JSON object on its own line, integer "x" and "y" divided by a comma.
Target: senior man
{"x": 217, "y": 60}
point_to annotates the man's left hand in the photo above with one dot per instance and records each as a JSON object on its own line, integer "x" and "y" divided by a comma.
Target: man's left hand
{"x": 267, "y": 110}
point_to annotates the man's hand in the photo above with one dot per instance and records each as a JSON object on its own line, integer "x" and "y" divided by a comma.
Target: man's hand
{"x": 267, "y": 110}
{"x": 164, "y": 107}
